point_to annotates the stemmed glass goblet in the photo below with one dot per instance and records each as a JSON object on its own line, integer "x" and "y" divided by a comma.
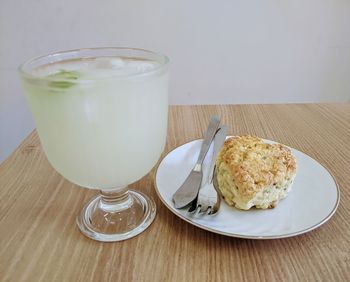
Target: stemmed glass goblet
{"x": 101, "y": 115}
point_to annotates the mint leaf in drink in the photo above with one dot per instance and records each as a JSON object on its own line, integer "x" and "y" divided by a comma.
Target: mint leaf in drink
{"x": 63, "y": 79}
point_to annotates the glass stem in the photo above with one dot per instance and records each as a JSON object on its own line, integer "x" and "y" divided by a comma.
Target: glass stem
{"x": 115, "y": 200}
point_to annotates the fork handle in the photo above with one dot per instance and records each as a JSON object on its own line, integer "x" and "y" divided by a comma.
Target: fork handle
{"x": 209, "y": 136}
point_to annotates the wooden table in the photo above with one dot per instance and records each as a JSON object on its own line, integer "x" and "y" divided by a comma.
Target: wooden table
{"x": 39, "y": 240}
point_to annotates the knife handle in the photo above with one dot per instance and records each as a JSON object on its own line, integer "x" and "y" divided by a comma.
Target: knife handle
{"x": 209, "y": 135}
{"x": 219, "y": 140}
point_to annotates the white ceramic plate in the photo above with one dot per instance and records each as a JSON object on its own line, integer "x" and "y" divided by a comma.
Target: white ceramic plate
{"x": 312, "y": 201}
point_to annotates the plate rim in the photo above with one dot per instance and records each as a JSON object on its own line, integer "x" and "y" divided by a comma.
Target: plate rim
{"x": 237, "y": 235}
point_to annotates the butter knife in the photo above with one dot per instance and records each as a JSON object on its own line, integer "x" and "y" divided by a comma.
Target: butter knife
{"x": 188, "y": 191}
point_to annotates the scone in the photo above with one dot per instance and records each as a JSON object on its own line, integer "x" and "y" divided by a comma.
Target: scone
{"x": 251, "y": 173}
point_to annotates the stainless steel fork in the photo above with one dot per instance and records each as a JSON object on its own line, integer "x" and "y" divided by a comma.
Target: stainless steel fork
{"x": 208, "y": 199}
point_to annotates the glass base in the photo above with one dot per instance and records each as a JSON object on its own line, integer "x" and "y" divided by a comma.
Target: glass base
{"x": 116, "y": 216}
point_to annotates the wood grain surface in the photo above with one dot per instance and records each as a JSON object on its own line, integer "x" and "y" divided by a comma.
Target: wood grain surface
{"x": 39, "y": 240}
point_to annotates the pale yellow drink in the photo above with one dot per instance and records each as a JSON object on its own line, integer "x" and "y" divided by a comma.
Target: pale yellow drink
{"x": 102, "y": 121}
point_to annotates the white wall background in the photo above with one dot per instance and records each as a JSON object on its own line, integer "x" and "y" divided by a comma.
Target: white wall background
{"x": 228, "y": 51}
